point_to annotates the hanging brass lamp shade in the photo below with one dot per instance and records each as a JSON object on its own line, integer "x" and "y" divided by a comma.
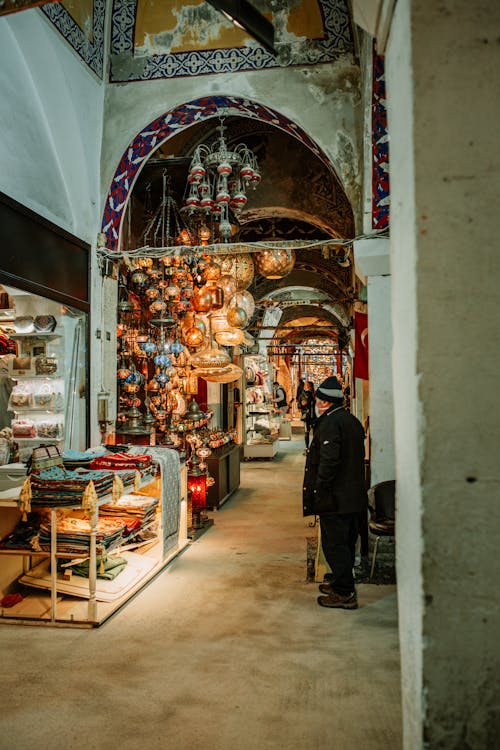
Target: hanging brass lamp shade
{"x": 230, "y": 337}
{"x": 244, "y": 300}
{"x": 240, "y": 266}
{"x": 225, "y": 375}
{"x": 236, "y": 317}
{"x": 274, "y": 264}
{"x": 212, "y": 357}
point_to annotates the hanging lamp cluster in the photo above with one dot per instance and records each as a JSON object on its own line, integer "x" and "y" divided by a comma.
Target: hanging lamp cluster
{"x": 218, "y": 180}
{"x": 176, "y": 315}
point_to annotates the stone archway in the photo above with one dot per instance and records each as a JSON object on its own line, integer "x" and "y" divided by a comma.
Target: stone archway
{"x": 170, "y": 123}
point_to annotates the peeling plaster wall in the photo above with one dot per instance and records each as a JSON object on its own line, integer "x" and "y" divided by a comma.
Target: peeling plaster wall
{"x": 51, "y": 110}
{"x": 51, "y": 121}
{"x": 444, "y": 106}
{"x": 324, "y": 101}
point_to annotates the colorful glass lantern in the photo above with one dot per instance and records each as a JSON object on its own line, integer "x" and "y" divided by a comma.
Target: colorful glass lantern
{"x": 197, "y": 487}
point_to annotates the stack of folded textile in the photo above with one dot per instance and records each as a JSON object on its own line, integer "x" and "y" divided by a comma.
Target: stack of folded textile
{"x": 59, "y": 487}
{"x": 137, "y": 512}
{"x": 81, "y": 459}
{"x": 115, "y": 461}
{"x": 125, "y": 461}
{"x": 73, "y": 534}
{"x": 24, "y": 532}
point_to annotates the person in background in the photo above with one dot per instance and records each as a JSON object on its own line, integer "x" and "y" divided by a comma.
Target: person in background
{"x": 280, "y": 401}
{"x": 307, "y": 409}
{"x": 300, "y": 388}
{"x": 334, "y": 488}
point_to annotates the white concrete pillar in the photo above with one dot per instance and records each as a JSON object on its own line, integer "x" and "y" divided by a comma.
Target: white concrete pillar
{"x": 373, "y": 261}
{"x": 443, "y": 90}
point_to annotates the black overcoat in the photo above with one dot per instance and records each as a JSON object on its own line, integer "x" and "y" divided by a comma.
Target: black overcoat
{"x": 334, "y": 477}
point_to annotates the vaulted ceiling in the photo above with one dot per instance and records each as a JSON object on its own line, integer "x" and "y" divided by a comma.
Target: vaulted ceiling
{"x": 299, "y": 198}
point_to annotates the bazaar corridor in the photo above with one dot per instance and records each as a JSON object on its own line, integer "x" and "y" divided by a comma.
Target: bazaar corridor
{"x": 226, "y": 649}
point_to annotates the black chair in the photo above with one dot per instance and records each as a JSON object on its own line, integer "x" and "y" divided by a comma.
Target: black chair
{"x": 382, "y": 506}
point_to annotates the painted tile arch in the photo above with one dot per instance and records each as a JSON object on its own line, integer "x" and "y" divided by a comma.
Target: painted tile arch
{"x": 128, "y": 65}
{"x": 167, "y": 125}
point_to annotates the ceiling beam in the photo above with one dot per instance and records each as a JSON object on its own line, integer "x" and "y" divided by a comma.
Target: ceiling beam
{"x": 242, "y": 13}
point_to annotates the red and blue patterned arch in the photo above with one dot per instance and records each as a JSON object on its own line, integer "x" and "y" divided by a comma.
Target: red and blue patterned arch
{"x": 169, "y": 124}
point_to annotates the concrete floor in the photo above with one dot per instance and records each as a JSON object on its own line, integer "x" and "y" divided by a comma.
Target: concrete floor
{"x": 225, "y": 650}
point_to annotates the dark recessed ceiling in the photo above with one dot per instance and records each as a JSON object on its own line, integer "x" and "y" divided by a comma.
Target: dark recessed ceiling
{"x": 298, "y": 198}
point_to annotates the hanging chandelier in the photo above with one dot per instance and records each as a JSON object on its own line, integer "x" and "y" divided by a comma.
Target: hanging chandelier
{"x": 218, "y": 180}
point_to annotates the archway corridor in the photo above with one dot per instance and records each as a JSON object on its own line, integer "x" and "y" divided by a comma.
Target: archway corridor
{"x": 225, "y": 650}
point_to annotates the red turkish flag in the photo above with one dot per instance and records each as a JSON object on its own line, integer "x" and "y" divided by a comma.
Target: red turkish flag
{"x": 361, "y": 345}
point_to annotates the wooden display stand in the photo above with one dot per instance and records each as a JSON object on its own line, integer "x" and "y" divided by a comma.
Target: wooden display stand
{"x": 224, "y": 467}
{"x": 51, "y": 598}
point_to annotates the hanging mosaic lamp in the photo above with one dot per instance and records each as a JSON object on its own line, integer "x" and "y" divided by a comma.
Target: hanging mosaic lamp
{"x": 139, "y": 279}
{"x": 240, "y": 266}
{"x": 194, "y": 337}
{"x": 162, "y": 360}
{"x": 212, "y": 272}
{"x": 149, "y": 347}
{"x": 244, "y": 300}
{"x": 123, "y": 372}
{"x": 237, "y": 317}
{"x": 274, "y": 264}
{"x": 228, "y": 284}
{"x": 177, "y": 347}
{"x": 202, "y": 299}
{"x": 152, "y": 293}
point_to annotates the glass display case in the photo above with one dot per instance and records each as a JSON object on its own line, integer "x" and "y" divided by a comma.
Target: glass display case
{"x": 43, "y": 373}
{"x": 261, "y": 430}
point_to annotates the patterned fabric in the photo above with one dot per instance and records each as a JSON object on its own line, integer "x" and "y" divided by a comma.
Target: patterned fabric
{"x": 58, "y": 486}
{"x": 121, "y": 461}
{"x": 73, "y": 534}
{"x": 170, "y": 468}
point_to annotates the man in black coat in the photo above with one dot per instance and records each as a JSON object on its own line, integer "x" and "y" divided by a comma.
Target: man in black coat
{"x": 335, "y": 490}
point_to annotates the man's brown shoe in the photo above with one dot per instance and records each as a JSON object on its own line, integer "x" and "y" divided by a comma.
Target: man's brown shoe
{"x": 337, "y": 601}
{"x": 326, "y": 588}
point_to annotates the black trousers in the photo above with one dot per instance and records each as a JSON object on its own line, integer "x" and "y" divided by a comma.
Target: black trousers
{"x": 307, "y": 431}
{"x": 339, "y": 532}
